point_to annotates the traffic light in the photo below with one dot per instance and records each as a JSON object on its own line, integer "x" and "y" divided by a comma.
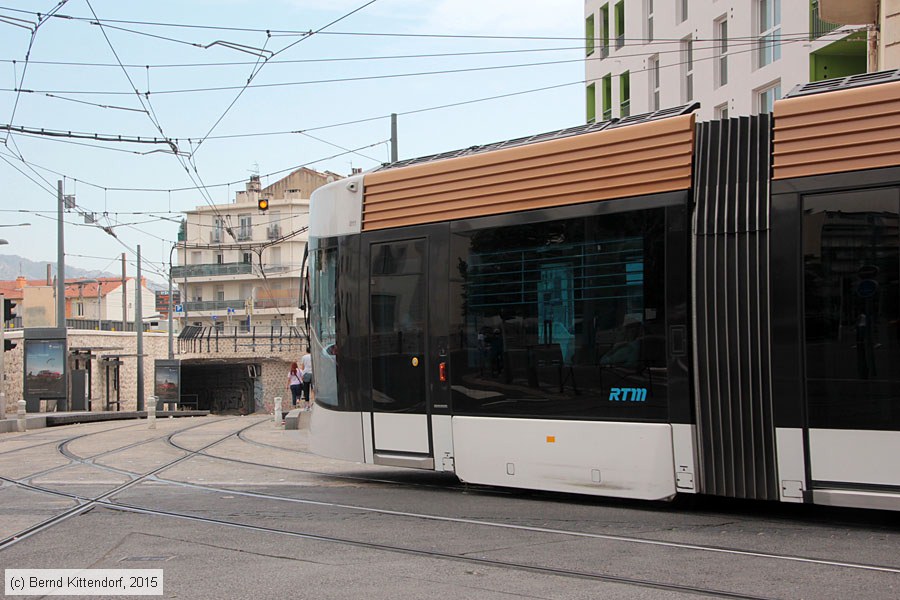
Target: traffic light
{"x": 263, "y": 204}
{"x": 9, "y": 311}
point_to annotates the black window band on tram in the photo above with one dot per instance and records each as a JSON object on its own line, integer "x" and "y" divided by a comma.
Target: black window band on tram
{"x": 561, "y": 319}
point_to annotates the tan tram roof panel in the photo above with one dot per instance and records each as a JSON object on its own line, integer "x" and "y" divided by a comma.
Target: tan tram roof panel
{"x": 646, "y": 158}
{"x": 839, "y": 131}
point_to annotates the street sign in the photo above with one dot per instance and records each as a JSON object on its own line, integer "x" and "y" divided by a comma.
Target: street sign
{"x": 179, "y": 308}
{"x": 215, "y": 318}
{"x": 230, "y": 310}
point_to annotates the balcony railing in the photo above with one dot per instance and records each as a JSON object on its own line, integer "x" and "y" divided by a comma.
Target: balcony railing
{"x": 818, "y": 27}
{"x": 237, "y": 305}
{"x": 211, "y": 270}
{"x": 261, "y": 303}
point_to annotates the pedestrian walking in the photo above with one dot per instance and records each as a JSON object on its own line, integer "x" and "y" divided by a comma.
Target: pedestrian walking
{"x": 295, "y": 384}
{"x": 306, "y": 377}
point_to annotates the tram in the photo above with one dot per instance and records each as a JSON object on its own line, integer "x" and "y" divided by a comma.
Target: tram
{"x": 636, "y": 308}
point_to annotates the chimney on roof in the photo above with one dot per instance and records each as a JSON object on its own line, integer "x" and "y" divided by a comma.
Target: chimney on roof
{"x": 21, "y": 282}
{"x": 49, "y": 275}
{"x": 355, "y": 170}
{"x": 253, "y": 185}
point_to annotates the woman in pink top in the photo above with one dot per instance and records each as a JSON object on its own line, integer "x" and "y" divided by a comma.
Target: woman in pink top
{"x": 295, "y": 383}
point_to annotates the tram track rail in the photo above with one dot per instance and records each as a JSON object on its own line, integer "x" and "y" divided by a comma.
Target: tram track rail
{"x": 85, "y": 504}
{"x": 107, "y": 500}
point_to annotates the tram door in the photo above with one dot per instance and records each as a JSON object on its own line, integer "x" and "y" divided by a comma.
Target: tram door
{"x": 398, "y": 336}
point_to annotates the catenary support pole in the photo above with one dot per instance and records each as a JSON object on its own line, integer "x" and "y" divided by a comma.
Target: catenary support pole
{"x": 124, "y": 295}
{"x": 171, "y": 308}
{"x": 139, "y": 331}
{"x": 60, "y": 260}
{"x": 393, "y": 137}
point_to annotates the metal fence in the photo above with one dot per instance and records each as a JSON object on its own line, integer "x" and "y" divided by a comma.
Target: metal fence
{"x": 93, "y": 324}
{"x": 197, "y": 339}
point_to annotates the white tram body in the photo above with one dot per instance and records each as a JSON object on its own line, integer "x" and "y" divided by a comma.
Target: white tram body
{"x": 635, "y": 309}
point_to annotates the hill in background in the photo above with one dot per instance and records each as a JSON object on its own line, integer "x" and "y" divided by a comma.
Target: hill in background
{"x": 11, "y": 266}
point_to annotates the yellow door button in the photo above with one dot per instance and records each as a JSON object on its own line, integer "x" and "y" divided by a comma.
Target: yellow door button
{"x": 415, "y": 361}
{"x": 551, "y": 439}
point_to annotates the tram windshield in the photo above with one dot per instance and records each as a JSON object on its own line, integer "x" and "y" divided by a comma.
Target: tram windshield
{"x": 323, "y": 288}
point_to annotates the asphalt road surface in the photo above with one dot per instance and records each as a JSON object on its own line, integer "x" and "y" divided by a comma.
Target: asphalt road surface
{"x": 234, "y": 507}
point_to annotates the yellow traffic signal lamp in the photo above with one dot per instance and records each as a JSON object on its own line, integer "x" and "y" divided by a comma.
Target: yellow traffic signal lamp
{"x": 263, "y": 204}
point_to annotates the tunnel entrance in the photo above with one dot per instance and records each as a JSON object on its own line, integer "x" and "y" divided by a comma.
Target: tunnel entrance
{"x": 222, "y": 388}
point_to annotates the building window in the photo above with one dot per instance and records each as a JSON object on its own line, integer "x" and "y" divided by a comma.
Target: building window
{"x": 766, "y": 98}
{"x": 687, "y": 68}
{"x": 604, "y": 31}
{"x": 248, "y": 258}
{"x": 649, "y": 24}
{"x": 625, "y": 94}
{"x": 721, "y": 28}
{"x": 620, "y": 24}
{"x": 653, "y": 70}
{"x": 682, "y": 11}
{"x": 591, "y": 101}
{"x": 220, "y": 293}
{"x": 768, "y": 39}
{"x": 79, "y": 309}
{"x": 246, "y": 230}
{"x": 607, "y": 97}
{"x": 220, "y": 258}
{"x": 589, "y": 35}
{"x": 722, "y": 111}
{"x": 218, "y": 230}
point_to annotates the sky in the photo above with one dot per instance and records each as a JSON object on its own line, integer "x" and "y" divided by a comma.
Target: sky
{"x": 457, "y": 72}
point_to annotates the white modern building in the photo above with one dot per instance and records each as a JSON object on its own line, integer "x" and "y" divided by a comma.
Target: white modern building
{"x": 240, "y": 265}
{"x": 735, "y": 57}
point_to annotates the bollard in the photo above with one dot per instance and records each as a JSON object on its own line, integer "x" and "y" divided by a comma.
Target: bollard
{"x": 20, "y": 413}
{"x": 278, "y": 418}
{"x": 151, "y": 413}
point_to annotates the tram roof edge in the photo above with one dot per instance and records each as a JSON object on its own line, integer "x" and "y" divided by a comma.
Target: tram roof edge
{"x": 615, "y": 123}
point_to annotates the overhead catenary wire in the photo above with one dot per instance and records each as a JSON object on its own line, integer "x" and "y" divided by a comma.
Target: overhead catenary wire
{"x": 207, "y": 65}
{"x": 782, "y": 40}
{"x": 409, "y": 112}
{"x": 415, "y": 111}
{"x": 307, "y": 32}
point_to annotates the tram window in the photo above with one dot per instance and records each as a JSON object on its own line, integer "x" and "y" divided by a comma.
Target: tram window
{"x": 851, "y": 263}
{"x": 562, "y": 319}
{"x": 325, "y": 311}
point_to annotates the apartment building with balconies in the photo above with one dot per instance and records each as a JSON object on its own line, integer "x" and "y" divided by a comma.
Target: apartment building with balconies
{"x": 241, "y": 266}
{"x": 735, "y": 57}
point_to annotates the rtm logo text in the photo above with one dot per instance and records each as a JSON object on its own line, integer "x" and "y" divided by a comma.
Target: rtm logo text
{"x": 628, "y": 395}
